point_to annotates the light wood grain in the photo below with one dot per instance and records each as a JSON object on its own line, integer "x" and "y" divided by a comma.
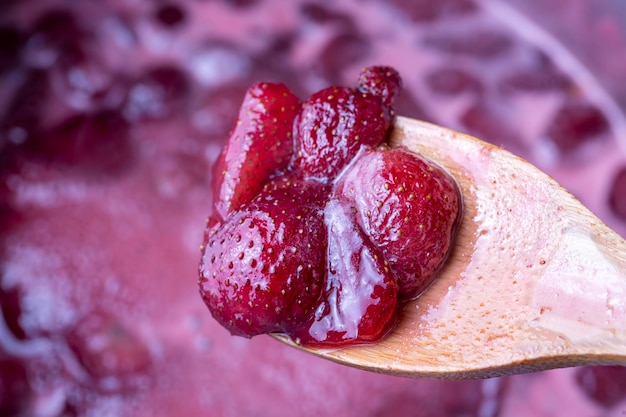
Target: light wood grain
{"x": 535, "y": 281}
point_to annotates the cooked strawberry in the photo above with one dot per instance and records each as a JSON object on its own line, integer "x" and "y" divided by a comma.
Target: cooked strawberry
{"x": 333, "y": 126}
{"x": 106, "y": 347}
{"x": 262, "y": 270}
{"x": 260, "y": 145}
{"x": 410, "y": 209}
{"x": 15, "y": 387}
{"x": 359, "y": 301}
{"x": 98, "y": 143}
{"x": 382, "y": 82}
{"x": 323, "y": 247}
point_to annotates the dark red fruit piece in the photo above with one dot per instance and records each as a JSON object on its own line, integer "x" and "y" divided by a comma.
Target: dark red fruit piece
{"x": 359, "y": 301}
{"x": 539, "y": 75}
{"x": 11, "y": 307}
{"x": 454, "y": 398}
{"x": 262, "y": 270}
{"x": 260, "y": 145}
{"x": 82, "y": 80}
{"x": 23, "y": 117}
{"x": 280, "y": 46}
{"x": 408, "y": 104}
{"x": 428, "y": 10}
{"x": 78, "y": 75}
{"x": 11, "y": 40}
{"x": 452, "y": 81}
{"x": 617, "y": 195}
{"x": 322, "y": 14}
{"x": 58, "y": 26}
{"x": 158, "y": 93}
{"x": 383, "y": 82}
{"x": 487, "y": 123}
{"x": 106, "y": 347}
{"x": 12, "y": 217}
{"x": 481, "y": 45}
{"x": 343, "y": 50}
{"x": 15, "y": 389}
{"x": 409, "y": 208}
{"x": 536, "y": 81}
{"x": 241, "y": 3}
{"x": 334, "y": 124}
{"x": 604, "y": 384}
{"x": 576, "y": 124}
{"x": 52, "y": 36}
{"x": 98, "y": 142}
{"x": 170, "y": 15}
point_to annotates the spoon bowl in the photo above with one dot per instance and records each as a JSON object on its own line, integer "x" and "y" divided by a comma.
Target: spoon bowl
{"x": 535, "y": 281}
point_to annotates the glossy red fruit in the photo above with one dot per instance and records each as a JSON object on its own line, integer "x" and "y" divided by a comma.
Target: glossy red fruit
{"x": 322, "y": 249}
{"x": 260, "y": 145}
{"x": 409, "y": 208}
{"x": 382, "y": 82}
{"x": 359, "y": 301}
{"x": 262, "y": 270}
{"x": 334, "y": 124}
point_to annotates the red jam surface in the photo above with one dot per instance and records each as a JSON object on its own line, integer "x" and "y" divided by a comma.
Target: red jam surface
{"x": 112, "y": 115}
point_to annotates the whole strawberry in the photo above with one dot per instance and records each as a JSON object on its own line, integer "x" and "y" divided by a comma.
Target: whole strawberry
{"x": 262, "y": 270}
{"x": 260, "y": 145}
{"x": 409, "y": 208}
{"x": 382, "y": 82}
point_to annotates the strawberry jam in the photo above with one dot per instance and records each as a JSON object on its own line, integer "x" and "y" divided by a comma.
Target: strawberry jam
{"x": 112, "y": 117}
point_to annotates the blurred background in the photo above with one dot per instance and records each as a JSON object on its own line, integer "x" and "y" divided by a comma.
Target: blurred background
{"x": 112, "y": 113}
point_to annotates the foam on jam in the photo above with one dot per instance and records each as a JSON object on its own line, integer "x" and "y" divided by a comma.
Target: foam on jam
{"x": 98, "y": 260}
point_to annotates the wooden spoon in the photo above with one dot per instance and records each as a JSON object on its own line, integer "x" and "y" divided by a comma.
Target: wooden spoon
{"x": 535, "y": 281}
